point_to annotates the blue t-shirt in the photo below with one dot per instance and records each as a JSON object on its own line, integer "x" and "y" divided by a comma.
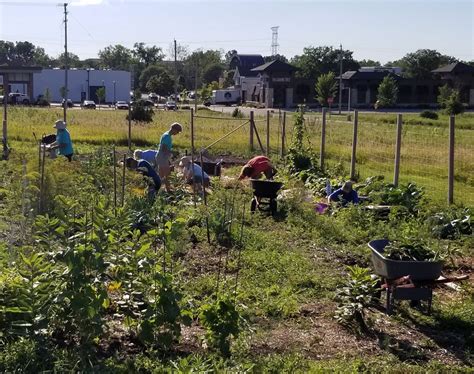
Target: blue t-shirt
{"x": 166, "y": 140}
{"x": 64, "y": 140}
{"x": 149, "y": 155}
{"x": 350, "y": 197}
{"x": 150, "y": 172}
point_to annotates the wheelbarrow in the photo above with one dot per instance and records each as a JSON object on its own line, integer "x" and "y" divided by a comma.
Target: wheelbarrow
{"x": 46, "y": 141}
{"x": 407, "y": 280}
{"x": 264, "y": 195}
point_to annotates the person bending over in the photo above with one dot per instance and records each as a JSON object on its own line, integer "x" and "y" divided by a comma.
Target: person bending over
{"x": 148, "y": 155}
{"x": 145, "y": 168}
{"x": 344, "y": 195}
{"x": 194, "y": 174}
{"x": 257, "y": 166}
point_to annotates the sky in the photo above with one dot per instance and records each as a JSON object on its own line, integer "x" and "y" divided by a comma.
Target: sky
{"x": 383, "y": 30}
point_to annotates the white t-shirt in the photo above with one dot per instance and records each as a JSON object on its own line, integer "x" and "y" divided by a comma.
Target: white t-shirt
{"x": 197, "y": 172}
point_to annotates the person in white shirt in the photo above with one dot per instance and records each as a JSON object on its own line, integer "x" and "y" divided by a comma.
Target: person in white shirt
{"x": 188, "y": 171}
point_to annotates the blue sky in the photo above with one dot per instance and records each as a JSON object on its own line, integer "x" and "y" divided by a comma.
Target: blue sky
{"x": 383, "y": 30}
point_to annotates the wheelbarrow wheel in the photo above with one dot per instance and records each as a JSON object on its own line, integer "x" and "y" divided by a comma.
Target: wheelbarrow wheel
{"x": 253, "y": 205}
{"x": 273, "y": 206}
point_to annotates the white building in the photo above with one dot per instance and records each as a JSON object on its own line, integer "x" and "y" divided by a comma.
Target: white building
{"x": 83, "y": 84}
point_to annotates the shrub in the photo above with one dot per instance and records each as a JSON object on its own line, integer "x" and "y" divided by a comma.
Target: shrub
{"x": 429, "y": 114}
{"x": 354, "y": 297}
{"x": 387, "y": 92}
{"x": 453, "y": 104}
{"x": 326, "y": 88}
{"x": 141, "y": 113}
{"x": 237, "y": 113}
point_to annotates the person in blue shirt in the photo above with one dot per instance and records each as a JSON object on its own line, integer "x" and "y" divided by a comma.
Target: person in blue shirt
{"x": 147, "y": 155}
{"x": 63, "y": 140}
{"x": 144, "y": 167}
{"x": 164, "y": 153}
{"x": 344, "y": 195}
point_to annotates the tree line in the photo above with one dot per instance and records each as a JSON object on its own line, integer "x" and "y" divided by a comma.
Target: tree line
{"x": 205, "y": 68}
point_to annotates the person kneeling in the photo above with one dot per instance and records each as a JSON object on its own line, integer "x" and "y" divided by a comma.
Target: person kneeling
{"x": 194, "y": 175}
{"x": 145, "y": 168}
{"x": 344, "y": 195}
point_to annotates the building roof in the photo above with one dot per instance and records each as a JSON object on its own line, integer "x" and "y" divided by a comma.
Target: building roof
{"x": 19, "y": 68}
{"x": 275, "y": 66}
{"x": 456, "y": 67}
{"x": 367, "y": 75}
{"x": 245, "y": 63}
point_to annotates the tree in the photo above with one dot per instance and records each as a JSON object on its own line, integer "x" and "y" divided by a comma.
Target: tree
{"x": 326, "y": 88}
{"x": 116, "y": 57}
{"x": 147, "y": 55}
{"x": 162, "y": 84}
{"x": 369, "y": 63}
{"x": 419, "y": 64}
{"x": 449, "y": 100}
{"x": 212, "y": 73}
{"x": 228, "y": 56}
{"x": 22, "y": 53}
{"x": 73, "y": 60}
{"x": 443, "y": 95}
{"x": 275, "y": 57}
{"x": 228, "y": 78}
{"x": 453, "y": 104}
{"x": 387, "y": 92}
{"x": 321, "y": 60}
{"x": 148, "y": 73}
{"x": 100, "y": 92}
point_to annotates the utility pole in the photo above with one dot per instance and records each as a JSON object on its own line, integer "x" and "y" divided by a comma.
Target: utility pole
{"x": 65, "y": 64}
{"x": 340, "y": 78}
{"x": 196, "y": 90}
{"x": 175, "y": 72}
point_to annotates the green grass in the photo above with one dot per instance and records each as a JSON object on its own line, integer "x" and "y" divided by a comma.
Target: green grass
{"x": 424, "y": 150}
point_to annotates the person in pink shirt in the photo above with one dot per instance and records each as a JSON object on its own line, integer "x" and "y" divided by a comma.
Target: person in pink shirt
{"x": 257, "y": 166}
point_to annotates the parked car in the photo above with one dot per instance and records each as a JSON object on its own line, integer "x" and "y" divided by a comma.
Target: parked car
{"x": 153, "y": 97}
{"x": 171, "y": 105}
{"x": 69, "y": 103}
{"x": 121, "y": 105}
{"x": 88, "y": 104}
{"x": 17, "y": 98}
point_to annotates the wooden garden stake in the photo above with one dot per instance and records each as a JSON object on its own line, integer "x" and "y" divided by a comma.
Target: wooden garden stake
{"x": 205, "y": 200}
{"x": 451, "y": 160}
{"x": 323, "y": 140}
{"x": 283, "y": 134}
{"x": 115, "y": 180}
{"x": 251, "y": 130}
{"x": 354, "y": 143}
{"x": 43, "y": 160}
{"x": 239, "y": 252}
{"x": 123, "y": 180}
{"x": 398, "y": 145}
{"x": 268, "y": 132}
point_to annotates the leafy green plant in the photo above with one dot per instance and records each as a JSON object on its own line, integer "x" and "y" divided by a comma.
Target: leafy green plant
{"x": 387, "y": 92}
{"x": 221, "y": 320}
{"x": 354, "y": 297}
{"x": 451, "y": 224}
{"x": 326, "y": 88}
{"x": 429, "y": 114}
{"x": 140, "y": 112}
{"x": 410, "y": 249}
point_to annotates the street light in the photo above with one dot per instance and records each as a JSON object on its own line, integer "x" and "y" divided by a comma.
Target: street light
{"x": 114, "y": 92}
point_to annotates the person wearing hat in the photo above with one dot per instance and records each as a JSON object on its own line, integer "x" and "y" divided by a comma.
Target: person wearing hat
{"x": 63, "y": 140}
{"x": 193, "y": 175}
{"x": 164, "y": 153}
{"x": 257, "y": 166}
{"x": 344, "y": 195}
{"x": 144, "y": 167}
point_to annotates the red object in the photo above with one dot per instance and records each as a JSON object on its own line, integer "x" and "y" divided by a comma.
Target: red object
{"x": 259, "y": 164}
{"x": 330, "y": 100}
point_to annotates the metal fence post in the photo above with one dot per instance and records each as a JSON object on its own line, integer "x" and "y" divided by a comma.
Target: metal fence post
{"x": 283, "y": 134}
{"x": 323, "y": 140}
{"x": 268, "y": 133}
{"x": 398, "y": 146}
{"x": 252, "y": 124}
{"x": 451, "y": 161}
{"x": 354, "y": 143}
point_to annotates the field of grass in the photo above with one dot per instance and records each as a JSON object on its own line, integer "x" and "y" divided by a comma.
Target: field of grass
{"x": 424, "y": 158}
{"x": 88, "y": 286}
